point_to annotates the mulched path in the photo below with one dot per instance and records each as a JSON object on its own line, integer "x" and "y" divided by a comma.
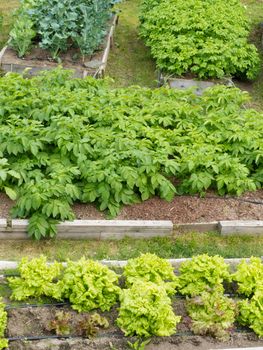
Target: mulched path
{"x": 183, "y": 209}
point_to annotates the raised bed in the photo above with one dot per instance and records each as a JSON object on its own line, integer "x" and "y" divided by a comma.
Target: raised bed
{"x": 28, "y": 327}
{"x": 93, "y": 66}
{"x": 118, "y": 229}
{"x": 34, "y": 319}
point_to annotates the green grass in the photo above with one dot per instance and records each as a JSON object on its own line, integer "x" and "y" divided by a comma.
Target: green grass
{"x": 6, "y": 9}
{"x": 130, "y": 62}
{"x": 181, "y": 245}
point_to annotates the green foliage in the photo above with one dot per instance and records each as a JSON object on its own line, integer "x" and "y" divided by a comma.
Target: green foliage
{"x": 89, "y": 285}
{"x": 251, "y": 312}
{"x": 249, "y": 276}
{"x": 207, "y": 38}
{"x": 82, "y": 23}
{"x": 21, "y": 35}
{"x": 37, "y": 278}
{"x": 212, "y": 314}
{"x": 57, "y": 146}
{"x": 60, "y": 324}
{"x": 138, "y": 344}
{"x": 150, "y": 268}
{"x": 1, "y": 20}
{"x": 146, "y": 310}
{"x": 203, "y": 273}
{"x": 89, "y": 326}
{"x": 3, "y": 323}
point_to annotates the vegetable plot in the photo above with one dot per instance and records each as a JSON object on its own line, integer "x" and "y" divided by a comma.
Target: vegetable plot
{"x": 206, "y": 38}
{"x": 59, "y": 25}
{"x": 64, "y": 140}
{"x": 145, "y": 308}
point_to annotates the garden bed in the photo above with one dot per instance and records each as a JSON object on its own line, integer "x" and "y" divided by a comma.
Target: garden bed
{"x": 32, "y": 321}
{"x": 39, "y": 60}
{"x": 182, "y": 209}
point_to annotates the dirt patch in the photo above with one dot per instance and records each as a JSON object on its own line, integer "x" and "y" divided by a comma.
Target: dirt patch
{"x": 42, "y": 58}
{"x": 33, "y": 322}
{"x": 182, "y": 209}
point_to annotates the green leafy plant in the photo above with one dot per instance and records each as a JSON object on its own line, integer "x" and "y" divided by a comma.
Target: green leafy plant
{"x": 60, "y": 324}
{"x": 203, "y": 273}
{"x": 37, "y": 278}
{"x": 251, "y": 312}
{"x": 1, "y": 20}
{"x": 57, "y": 147}
{"x": 90, "y": 325}
{"x": 150, "y": 268}
{"x": 138, "y": 344}
{"x": 208, "y": 39}
{"x": 72, "y": 22}
{"x": 212, "y": 314}
{"x": 21, "y": 35}
{"x": 3, "y": 323}
{"x": 89, "y": 285}
{"x": 249, "y": 276}
{"x": 145, "y": 310}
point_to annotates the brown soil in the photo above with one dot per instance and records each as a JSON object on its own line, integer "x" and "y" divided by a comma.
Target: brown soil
{"x": 34, "y": 322}
{"x": 183, "y": 209}
{"x": 42, "y": 58}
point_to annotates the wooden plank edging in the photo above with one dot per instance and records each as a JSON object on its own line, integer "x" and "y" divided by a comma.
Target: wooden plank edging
{"x": 241, "y": 227}
{"x": 93, "y": 229}
{"x": 5, "y": 264}
{"x": 2, "y": 53}
{"x": 118, "y": 229}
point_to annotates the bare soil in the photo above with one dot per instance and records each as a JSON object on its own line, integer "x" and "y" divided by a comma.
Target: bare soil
{"x": 182, "y": 209}
{"x": 34, "y": 322}
{"x": 42, "y": 58}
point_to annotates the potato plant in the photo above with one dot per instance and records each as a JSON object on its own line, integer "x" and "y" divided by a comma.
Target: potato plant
{"x": 204, "y": 38}
{"x": 64, "y": 140}
{"x": 3, "y": 322}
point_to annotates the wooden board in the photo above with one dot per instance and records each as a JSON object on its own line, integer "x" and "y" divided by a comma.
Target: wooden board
{"x": 197, "y": 227}
{"x": 241, "y": 227}
{"x": 94, "y": 229}
{"x": 4, "y": 265}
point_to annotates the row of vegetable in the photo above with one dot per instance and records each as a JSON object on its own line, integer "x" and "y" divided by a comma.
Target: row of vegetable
{"x": 57, "y": 26}
{"x": 145, "y": 307}
{"x": 58, "y": 147}
{"x": 203, "y": 38}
